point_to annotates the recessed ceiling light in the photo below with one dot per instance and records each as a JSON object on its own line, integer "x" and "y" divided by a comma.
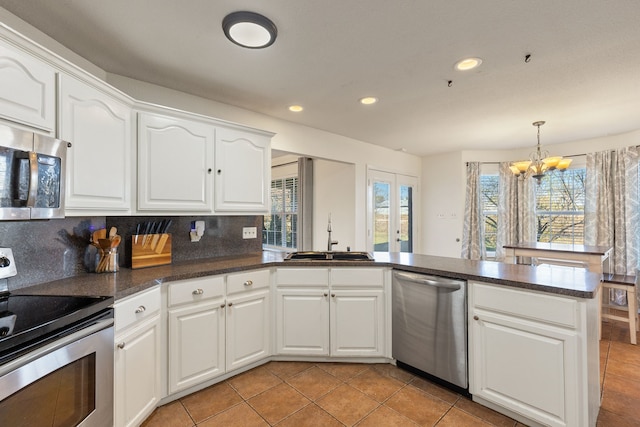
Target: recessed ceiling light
{"x": 249, "y": 29}
{"x": 296, "y": 108}
{"x": 468, "y": 64}
{"x": 368, "y": 100}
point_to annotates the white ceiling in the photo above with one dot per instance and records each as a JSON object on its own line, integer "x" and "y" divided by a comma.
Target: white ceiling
{"x": 583, "y": 77}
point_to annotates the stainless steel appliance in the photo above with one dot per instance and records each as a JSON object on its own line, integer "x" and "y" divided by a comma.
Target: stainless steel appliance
{"x": 56, "y": 359}
{"x": 429, "y": 326}
{"x": 32, "y": 175}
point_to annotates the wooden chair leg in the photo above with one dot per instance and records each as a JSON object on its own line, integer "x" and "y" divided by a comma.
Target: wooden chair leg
{"x": 633, "y": 314}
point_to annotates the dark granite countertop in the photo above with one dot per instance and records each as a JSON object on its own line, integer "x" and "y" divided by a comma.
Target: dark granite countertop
{"x": 575, "y": 282}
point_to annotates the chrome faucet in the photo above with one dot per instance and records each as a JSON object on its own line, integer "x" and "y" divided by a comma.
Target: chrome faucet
{"x": 330, "y": 242}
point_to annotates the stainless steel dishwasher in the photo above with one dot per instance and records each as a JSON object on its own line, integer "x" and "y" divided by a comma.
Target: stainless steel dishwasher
{"x": 430, "y": 326}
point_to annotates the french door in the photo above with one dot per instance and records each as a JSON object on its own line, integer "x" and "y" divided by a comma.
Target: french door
{"x": 392, "y": 201}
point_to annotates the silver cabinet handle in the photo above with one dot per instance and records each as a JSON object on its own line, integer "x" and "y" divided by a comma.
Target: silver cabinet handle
{"x": 121, "y": 345}
{"x": 248, "y": 283}
{"x": 198, "y": 292}
{"x": 141, "y": 309}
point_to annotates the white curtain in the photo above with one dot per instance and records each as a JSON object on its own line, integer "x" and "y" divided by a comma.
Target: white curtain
{"x": 611, "y": 208}
{"x": 516, "y": 210}
{"x": 472, "y": 232}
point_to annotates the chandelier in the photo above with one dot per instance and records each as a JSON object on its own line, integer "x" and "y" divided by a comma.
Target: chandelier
{"x": 539, "y": 162}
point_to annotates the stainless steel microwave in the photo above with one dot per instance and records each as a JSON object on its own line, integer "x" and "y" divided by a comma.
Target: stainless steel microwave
{"x": 32, "y": 175}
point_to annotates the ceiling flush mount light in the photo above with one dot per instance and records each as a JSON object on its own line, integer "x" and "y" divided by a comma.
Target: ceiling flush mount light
{"x": 368, "y": 100}
{"x": 295, "y": 108}
{"x": 468, "y": 64}
{"x": 539, "y": 162}
{"x": 249, "y": 29}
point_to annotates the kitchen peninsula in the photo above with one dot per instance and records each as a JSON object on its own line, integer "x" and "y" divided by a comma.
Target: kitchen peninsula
{"x": 533, "y": 346}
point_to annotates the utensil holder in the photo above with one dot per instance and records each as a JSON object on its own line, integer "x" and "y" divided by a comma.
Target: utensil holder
{"x": 107, "y": 261}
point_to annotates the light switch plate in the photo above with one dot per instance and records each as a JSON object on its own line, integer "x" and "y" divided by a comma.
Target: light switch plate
{"x": 249, "y": 232}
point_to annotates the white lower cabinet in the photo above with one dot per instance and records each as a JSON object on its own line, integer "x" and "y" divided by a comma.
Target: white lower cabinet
{"x": 248, "y": 318}
{"x": 196, "y": 331}
{"x": 357, "y": 322}
{"x": 336, "y": 312}
{"x": 528, "y": 354}
{"x": 137, "y": 357}
{"x": 212, "y": 331}
{"x": 302, "y": 321}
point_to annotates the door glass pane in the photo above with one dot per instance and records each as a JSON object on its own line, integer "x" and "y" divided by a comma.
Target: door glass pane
{"x": 405, "y": 232}
{"x": 381, "y": 201}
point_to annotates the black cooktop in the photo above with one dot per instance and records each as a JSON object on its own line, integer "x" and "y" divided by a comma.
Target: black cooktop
{"x": 26, "y": 320}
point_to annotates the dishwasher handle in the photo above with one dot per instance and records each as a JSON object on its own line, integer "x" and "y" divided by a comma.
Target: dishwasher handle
{"x": 439, "y": 282}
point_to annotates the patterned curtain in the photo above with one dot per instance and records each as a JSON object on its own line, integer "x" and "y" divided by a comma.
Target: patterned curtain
{"x": 612, "y": 209}
{"x": 472, "y": 232}
{"x": 516, "y": 210}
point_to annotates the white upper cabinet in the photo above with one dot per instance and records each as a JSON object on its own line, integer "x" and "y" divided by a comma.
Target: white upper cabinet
{"x": 99, "y": 160}
{"x": 243, "y": 171}
{"x": 175, "y": 161}
{"x": 27, "y": 89}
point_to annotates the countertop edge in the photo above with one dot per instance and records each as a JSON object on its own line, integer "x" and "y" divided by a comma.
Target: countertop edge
{"x": 566, "y": 281}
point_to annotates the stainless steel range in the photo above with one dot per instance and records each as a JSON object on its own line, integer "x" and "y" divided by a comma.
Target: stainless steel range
{"x": 56, "y": 357}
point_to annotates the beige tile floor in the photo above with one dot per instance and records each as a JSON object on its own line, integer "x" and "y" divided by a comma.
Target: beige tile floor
{"x": 300, "y": 394}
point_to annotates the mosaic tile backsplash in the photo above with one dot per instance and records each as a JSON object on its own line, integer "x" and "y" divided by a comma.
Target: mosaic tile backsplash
{"x": 50, "y": 250}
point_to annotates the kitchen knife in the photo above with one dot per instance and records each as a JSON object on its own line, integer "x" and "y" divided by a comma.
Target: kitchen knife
{"x": 156, "y": 235}
{"x": 146, "y": 233}
{"x": 164, "y": 237}
{"x": 135, "y": 242}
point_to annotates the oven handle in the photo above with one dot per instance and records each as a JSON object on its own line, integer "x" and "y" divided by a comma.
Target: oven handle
{"x": 54, "y": 345}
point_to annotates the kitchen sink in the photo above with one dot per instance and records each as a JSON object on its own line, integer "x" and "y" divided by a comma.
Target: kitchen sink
{"x": 329, "y": 256}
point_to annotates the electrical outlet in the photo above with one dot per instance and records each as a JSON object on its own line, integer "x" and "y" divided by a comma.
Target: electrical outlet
{"x": 249, "y": 232}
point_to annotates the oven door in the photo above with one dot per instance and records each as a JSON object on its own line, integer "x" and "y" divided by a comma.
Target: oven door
{"x": 68, "y": 382}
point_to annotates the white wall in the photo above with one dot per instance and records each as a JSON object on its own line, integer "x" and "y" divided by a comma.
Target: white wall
{"x": 444, "y": 183}
{"x": 335, "y": 193}
{"x": 442, "y": 204}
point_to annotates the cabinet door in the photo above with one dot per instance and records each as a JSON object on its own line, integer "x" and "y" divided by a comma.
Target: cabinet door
{"x": 248, "y": 328}
{"x": 175, "y": 161}
{"x": 99, "y": 160}
{"x": 137, "y": 372}
{"x": 526, "y": 367}
{"x": 27, "y": 89}
{"x": 357, "y": 322}
{"x": 302, "y": 321}
{"x": 196, "y": 344}
{"x": 243, "y": 171}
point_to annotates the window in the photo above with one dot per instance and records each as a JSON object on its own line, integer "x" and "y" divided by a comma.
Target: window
{"x": 560, "y": 200}
{"x": 489, "y": 186}
{"x": 280, "y": 227}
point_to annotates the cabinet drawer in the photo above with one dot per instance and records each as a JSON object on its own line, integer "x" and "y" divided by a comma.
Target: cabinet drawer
{"x": 369, "y": 277}
{"x": 239, "y": 282}
{"x": 526, "y": 304}
{"x": 195, "y": 290}
{"x": 302, "y": 276}
{"x": 136, "y": 307}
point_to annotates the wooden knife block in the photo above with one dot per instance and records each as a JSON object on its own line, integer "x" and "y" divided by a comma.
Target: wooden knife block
{"x": 149, "y": 250}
